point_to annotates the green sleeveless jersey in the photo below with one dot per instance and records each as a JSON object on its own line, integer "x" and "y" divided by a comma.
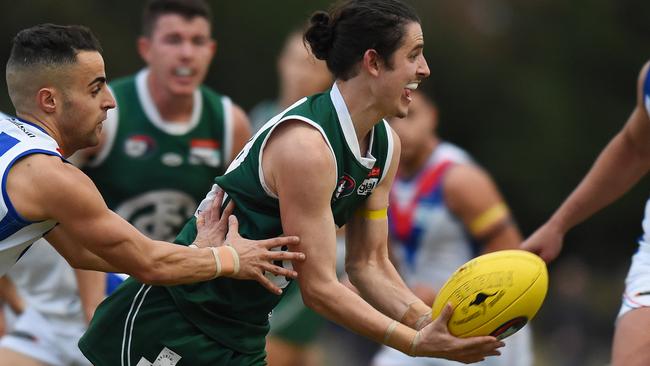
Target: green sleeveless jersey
{"x": 153, "y": 173}
{"x": 234, "y": 312}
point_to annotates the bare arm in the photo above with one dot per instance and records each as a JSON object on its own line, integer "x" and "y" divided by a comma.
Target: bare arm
{"x": 43, "y": 187}
{"x": 305, "y": 211}
{"x": 9, "y": 295}
{"x": 92, "y": 290}
{"x": 473, "y": 197}
{"x": 618, "y": 167}
{"x": 368, "y": 263}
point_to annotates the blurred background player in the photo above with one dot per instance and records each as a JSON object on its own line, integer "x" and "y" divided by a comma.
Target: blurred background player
{"x": 444, "y": 210}
{"x": 299, "y": 74}
{"x": 294, "y": 327}
{"x": 621, "y": 164}
{"x": 169, "y": 135}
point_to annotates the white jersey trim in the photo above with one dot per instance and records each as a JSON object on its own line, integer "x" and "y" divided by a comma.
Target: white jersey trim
{"x": 297, "y": 118}
{"x": 228, "y": 128}
{"x": 175, "y": 128}
{"x": 349, "y": 132}
{"x": 389, "y": 156}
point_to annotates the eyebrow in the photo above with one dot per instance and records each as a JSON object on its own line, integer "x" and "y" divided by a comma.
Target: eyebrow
{"x": 99, "y": 79}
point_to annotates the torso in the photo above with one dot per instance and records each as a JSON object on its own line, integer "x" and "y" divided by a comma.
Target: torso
{"x": 257, "y": 210}
{"x": 153, "y": 173}
{"x": 428, "y": 240}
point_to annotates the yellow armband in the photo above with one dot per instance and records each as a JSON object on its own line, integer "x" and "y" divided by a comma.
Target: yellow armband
{"x": 373, "y": 214}
{"x": 488, "y": 218}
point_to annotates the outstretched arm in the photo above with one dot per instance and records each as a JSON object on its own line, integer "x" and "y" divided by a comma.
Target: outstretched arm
{"x": 43, "y": 187}
{"x": 620, "y": 165}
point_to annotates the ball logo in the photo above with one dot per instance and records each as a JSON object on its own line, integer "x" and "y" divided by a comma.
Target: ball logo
{"x": 344, "y": 187}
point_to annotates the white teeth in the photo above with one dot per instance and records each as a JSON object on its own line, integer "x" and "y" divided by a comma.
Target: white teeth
{"x": 182, "y": 71}
{"x": 412, "y": 86}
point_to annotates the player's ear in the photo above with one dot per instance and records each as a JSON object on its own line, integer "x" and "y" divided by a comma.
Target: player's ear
{"x": 47, "y": 99}
{"x": 144, "y": 45}
{"x": 372, "y": 62}
{"x": 213, "y": 47}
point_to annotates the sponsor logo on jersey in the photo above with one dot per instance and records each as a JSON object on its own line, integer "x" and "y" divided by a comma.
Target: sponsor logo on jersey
{"x": 205, "y": 152}
{"x": 171, "y": 159}
{"x": 21, "y": 127}
{"x": 138, "y": 146}
{"x": 344, "y": 187}
{"x": 367, "y": 186}
{"x": 374, "y": 172}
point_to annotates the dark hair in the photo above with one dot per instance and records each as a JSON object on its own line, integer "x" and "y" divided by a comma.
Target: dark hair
{"x": 342, "y": 35}
{"x": 51, "y": 44}
{"x": 188, "y": 9}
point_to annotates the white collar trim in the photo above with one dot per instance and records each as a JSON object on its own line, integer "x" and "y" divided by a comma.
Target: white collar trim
{"x": 350, "y": 134}
{"x": 172, "y": 128}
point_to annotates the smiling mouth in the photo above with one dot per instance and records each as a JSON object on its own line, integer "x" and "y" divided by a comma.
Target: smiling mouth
{"x": 183, "y": 71}
{"x": 409, "y": 88}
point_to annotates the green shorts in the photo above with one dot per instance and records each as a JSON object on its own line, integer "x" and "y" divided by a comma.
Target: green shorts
{"x": 139, "y": 325}
{"x": 292, "y": 321}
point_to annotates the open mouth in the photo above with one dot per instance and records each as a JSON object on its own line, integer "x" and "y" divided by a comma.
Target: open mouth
{"x": 183, "y": 71}
{"x": 409, "y": 88}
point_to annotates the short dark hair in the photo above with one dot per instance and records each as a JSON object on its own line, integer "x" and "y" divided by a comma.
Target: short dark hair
{"x": 51, "y": 44}
{"x": 342, "y": 35}
{"x": 188, "y": 9}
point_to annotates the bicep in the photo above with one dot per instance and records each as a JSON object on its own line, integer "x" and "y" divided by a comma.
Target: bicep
{"x": 473, "y": 197}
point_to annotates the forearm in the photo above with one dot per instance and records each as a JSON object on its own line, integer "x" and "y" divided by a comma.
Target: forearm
{"x": 342, "y": 306}
{"x": 92, "y": 290}
{"x": 9, "y": 295}
{"x": 380, "y": 284}
{"x": 615, "y": 171}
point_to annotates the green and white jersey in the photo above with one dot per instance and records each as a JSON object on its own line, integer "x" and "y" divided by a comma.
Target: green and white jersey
{"x": 152, "y": 172}
{"x": 234, "y": 312}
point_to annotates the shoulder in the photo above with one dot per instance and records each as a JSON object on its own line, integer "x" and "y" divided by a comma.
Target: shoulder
{"x": 466, "y": 181}
{"x": 300, "y": 141}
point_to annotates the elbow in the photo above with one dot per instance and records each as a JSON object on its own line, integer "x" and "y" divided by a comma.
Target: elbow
{"x": 314, "y": 299}
{"x": 355, "y": 271}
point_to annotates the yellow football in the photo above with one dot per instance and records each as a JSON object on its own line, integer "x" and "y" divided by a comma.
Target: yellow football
{"x": 494, "y": 294}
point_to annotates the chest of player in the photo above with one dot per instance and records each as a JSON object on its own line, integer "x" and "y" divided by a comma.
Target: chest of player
{"x": 354, "y": 185}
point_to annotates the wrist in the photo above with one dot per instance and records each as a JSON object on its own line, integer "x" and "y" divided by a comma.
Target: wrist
{"x": 226, "y": 261}
{"x": 417, "y": 315}
{"x": 401, "y": 337}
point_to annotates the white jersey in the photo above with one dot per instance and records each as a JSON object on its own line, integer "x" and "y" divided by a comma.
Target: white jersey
{"x": 19, "y": 138}
{"x": 431, "y": 243}
{"x": 47, "y": 283}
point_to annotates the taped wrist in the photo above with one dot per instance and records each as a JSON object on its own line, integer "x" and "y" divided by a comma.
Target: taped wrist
{"x": 417, "y": 315}
{"x": 401, "y": 337}
{"x": 226, "y": 260}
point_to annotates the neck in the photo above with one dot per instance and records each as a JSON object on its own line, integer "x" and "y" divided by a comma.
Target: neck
{"x": 50, "y": 128}
{"x": 408, "y": 168}
{"x": 172, "y": 108}
{"x": 363, "y": 110}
